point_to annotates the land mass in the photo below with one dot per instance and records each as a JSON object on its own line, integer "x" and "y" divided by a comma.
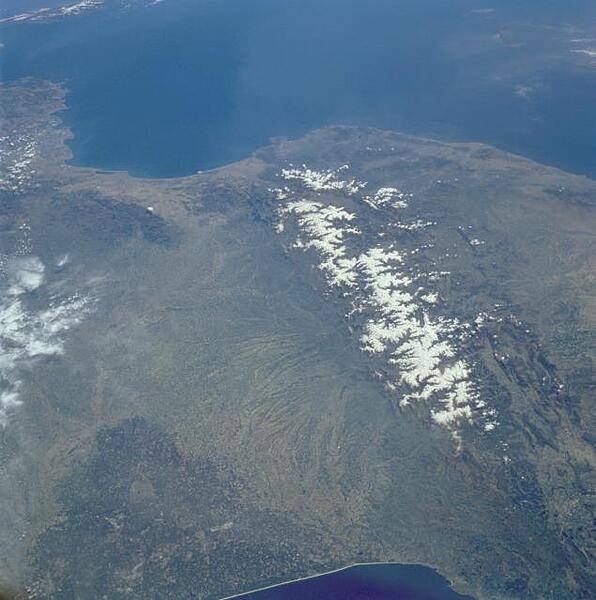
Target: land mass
{"x": 355, "y": 346}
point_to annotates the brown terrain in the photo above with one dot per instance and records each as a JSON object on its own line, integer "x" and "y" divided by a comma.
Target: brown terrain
{"x": 211, "y": 424}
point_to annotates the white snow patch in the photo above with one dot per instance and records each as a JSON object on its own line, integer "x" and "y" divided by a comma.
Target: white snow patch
{"x": 417, "y": 225}
{"x": 386, "y": 196}
{"x": 417, "y": 345}
{"x": 430, "y": 298}
{"x": 324, "y": 228}
{"x": 281, "y": 193}
{"x": 422, "y": 360}
{"x": 320, "y": 181}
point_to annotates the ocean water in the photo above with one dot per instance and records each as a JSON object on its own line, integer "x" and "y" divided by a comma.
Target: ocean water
{"x": 184, "y": 85}
{"x": 365, "y": 582}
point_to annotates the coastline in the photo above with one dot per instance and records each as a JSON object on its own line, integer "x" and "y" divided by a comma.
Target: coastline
{"x": 339, "y": 570}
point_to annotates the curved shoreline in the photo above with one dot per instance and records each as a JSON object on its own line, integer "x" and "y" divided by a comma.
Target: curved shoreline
{"x": 339, "y": 570}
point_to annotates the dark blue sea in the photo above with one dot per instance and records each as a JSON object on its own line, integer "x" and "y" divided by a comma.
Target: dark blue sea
{"x": 365, "y": 582}
{"x": 167, "y": 89}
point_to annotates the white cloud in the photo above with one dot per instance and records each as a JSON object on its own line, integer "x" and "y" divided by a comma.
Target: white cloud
{"x": 27, "y": 335}
{"x": 25, "y": 274}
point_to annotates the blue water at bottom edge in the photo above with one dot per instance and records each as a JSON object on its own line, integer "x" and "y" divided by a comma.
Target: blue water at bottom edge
{"x": 377, "y": 581}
